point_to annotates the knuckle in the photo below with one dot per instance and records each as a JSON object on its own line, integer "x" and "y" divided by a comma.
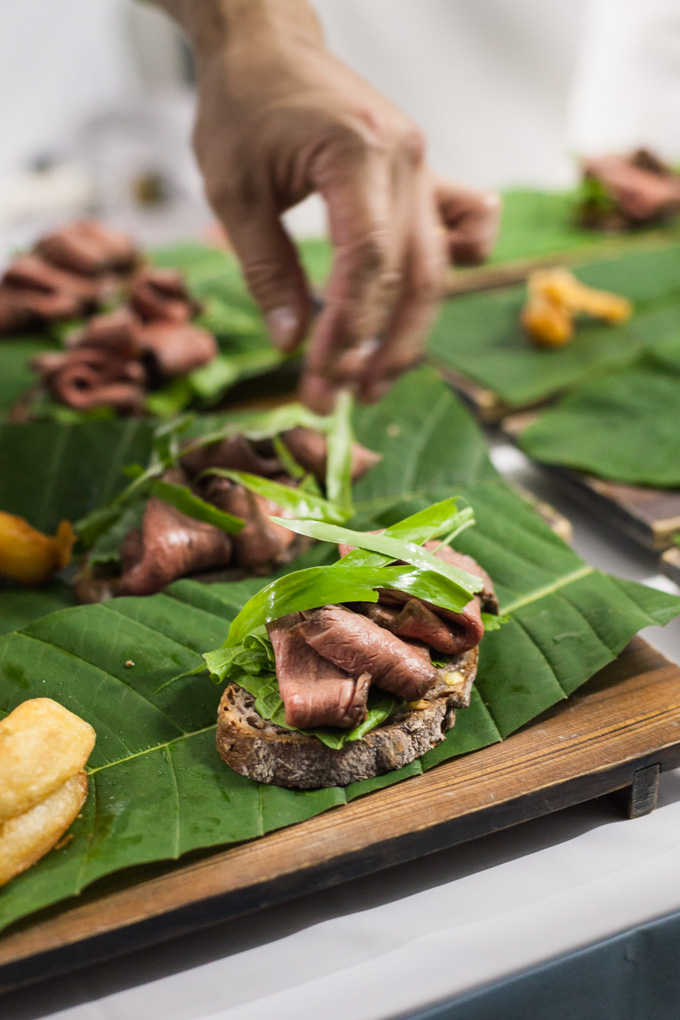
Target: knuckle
{"x": 264, "y": 277}
{"x": 369, "y": 252}
{"x": 412, "y": 144}
{"x": 425, "y": 284}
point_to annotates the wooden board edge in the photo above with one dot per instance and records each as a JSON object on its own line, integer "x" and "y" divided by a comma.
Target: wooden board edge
{"x": 492, "y": 277}
{"x": 670, "y": 563}
{"x": 178, "y": 910}
{"x": 229, "y": 906}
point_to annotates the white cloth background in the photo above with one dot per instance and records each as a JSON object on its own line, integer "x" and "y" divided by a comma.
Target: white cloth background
{"x": 506, "y": 90}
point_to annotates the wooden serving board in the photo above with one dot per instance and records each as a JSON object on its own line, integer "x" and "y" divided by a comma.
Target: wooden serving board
{"x": 670, "y": 563}
{"x": 618, "y": 732}
{"x": 651, "y": 517}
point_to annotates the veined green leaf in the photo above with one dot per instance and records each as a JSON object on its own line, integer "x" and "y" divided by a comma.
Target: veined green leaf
{"x": 303, "y": 503}
{"x": 480, "y": 335}
{"x": 106, "y": 548}
{"x": 395, "y": 548}
{"x": 623, "y": 428}
{"x": 182, "y": 498}
{"x": 158, "y": 787}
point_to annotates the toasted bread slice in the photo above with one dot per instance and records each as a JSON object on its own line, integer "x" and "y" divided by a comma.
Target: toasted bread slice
{"x": 268, "y": 753}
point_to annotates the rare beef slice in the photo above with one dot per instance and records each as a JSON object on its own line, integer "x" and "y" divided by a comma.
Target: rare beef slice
{"x": 314, "y": 691}
{"x": 357, "y": 645}
{"x": 175, "y": 348}
{"x": 88, "y": 248}
{"x": 261, "y": 542}
{"x": 644, "y": 190}
{"x": 235, "y": 453}
{"x": 161, "y": 294}
{"x": 169, "y": 545}
{"x": 309, "y": 449}
{"x": 85, "y": 378}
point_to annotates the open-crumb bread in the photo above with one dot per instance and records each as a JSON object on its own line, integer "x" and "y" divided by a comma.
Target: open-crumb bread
{"x": 269, "y": 753}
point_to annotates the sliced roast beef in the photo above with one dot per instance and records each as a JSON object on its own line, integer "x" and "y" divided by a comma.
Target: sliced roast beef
{"x": 21, "y": 308}
{"x": 161, "y": 295}
{"x": 417, "y": 621}
{"x": 175, "y": 348}
{"x": 440, "y": 629}
{"x": 357, "y": 645}
{"x": 487, "y": 596}
{"x": 88, "y": 248}
{"x": 169, "y": 545}
{"x": 235, "y": 453}
{"x": 113, "y": 331}
{"x": 643, "y": 189}
{"x": 261, "y": 542}
{"x": 314, "y": 691}
{"x": 309, "y": 449}
{"x": 87, "y": 377}
{"x": 34, "y": 273}
{"x": 33, "y": 291}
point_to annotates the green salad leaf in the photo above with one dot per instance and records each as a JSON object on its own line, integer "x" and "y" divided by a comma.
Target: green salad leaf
{"x": 387, "y": 545}
{"x": 182, "y": 498}
{"x": 317, "y": 586}
{"x": 306, "y": 504}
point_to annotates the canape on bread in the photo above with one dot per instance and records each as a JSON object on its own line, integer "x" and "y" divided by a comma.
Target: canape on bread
{"x": 334, "y": 691}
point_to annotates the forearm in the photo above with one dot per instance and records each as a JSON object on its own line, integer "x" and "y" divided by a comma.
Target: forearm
{"x": 213, "y": 24}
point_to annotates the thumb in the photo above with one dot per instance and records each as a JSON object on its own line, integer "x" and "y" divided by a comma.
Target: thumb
{"x": 471, "y": 220}
{"x": 272, "y": 270}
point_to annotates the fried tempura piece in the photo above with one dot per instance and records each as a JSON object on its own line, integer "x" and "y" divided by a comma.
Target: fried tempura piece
{"x": 27, "y": 555}
{"x": 26, "y": 838}
{"x": 563, "y": 287}
{"x": 555, "y": 297}
{"x": 42, "y": 745}
{"x": 547, "y": 322}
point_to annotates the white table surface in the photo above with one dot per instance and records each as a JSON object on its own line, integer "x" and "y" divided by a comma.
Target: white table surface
{"x": 407, "y": 937}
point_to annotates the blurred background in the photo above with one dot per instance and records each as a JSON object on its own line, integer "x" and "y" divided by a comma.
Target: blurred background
{"x": 97, "y": 98}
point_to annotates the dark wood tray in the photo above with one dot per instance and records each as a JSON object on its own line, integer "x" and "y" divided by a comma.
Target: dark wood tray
{"x": 617, "y": 733}
{"x": 670, "y": 563}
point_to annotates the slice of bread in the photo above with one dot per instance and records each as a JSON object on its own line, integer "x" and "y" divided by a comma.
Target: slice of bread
{"x": 269, "y": 753}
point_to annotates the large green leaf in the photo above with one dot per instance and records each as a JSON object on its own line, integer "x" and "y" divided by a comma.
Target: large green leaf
{"x": 480, "y": 334}
{"x": 623, "y": 428}
{"x": 158, "y": 787}
{"x": 16, "y": 374}
{"x": 49, "y": 471}
{"x": 535, "y": 224}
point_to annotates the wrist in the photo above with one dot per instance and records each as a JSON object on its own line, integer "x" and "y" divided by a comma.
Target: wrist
{"x": 216, "y": 26}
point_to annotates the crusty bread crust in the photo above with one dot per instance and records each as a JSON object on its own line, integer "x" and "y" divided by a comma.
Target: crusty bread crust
{"x": 268, "y": 753}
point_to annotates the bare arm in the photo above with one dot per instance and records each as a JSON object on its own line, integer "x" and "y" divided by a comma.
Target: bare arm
{"x": 279, "y": 118}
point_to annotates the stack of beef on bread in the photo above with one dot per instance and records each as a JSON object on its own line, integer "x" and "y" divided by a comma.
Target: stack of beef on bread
{"x": 331, "y": 658}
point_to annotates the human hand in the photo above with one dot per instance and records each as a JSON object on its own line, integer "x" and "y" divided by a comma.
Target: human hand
{"x": 279, "y": 118}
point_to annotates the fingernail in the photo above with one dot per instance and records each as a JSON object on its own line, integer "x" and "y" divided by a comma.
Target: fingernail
{"x": 283, "y": 324}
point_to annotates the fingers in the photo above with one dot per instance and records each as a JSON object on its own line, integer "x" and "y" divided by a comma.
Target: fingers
{"x": 369, "y": 204}
{"x": 270, "y": 264}
{"x": 402, "y": 343}
{"x": 364, "y": 278}
{"x": 471, "y": 219}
